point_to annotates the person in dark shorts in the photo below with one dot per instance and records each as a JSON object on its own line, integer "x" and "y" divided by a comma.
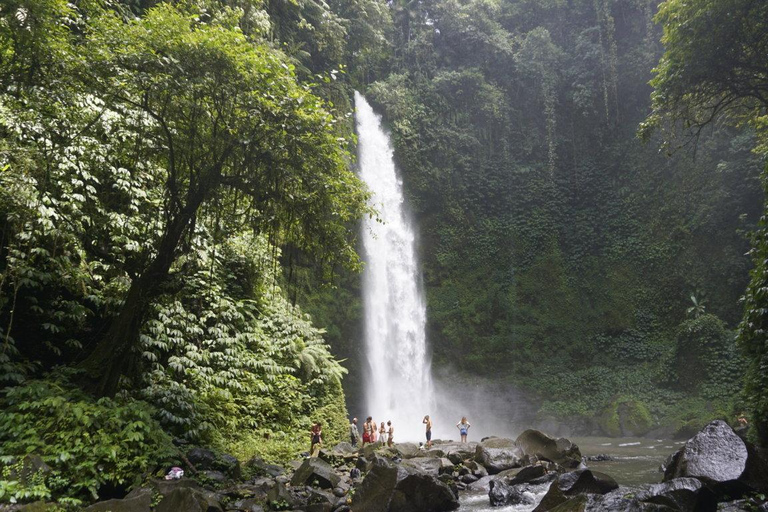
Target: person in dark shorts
{"x": 354, "y": 433}
{"x": 428, "y": 423}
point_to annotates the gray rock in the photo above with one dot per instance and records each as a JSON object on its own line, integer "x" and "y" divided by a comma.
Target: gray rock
{"x": 537, "y": 444}
{"x": 429, "y": 465}
{"x": 502, "y": 494}
{"x": 482, "y": 484}
{"x": 315, "y": 470}
{"x": 140, "y": 502}
{"x": 388, "y": 487}
{"x": 215, "y": 476}
{"x": 575, "y": 483}
{"x": 407, "y": 450}
{"x": 685, "y": 494}
{"x": 716, "y": 454}
{"x": 344, "y": 448}
{"x": 498, "y": 454}
{"x": 189, "y": 500}
{"x": 259, "y": 467}
{"x": 202, "y": 458}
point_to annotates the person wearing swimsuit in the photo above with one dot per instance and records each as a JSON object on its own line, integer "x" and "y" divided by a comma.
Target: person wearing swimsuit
{"x": 463, "y": 427}
{"x": 428, "y": 423}
{"x": 367, "y": 427}
{"x": 383, "y": 433}
{"x": 391, "y": 433}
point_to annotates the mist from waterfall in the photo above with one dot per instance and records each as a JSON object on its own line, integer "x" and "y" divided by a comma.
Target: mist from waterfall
{"x": 398, "y": 382}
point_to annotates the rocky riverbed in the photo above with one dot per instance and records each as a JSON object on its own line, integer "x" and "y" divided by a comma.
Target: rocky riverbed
{"x": 714, "y": 470}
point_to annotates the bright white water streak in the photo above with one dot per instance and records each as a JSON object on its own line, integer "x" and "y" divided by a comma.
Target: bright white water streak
{"x": 398, "y": 382}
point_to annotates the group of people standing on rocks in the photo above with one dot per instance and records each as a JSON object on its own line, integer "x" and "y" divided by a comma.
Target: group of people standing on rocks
{"x": 386, "y": 433}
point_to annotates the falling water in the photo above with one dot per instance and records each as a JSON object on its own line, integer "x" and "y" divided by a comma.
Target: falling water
{"x": 399, "y": 385}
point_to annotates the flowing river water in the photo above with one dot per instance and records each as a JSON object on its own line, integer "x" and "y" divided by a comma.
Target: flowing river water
{"x": 633, "y": 462}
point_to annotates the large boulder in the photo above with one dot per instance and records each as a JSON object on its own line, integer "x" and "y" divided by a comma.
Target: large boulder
{"x": 714, "y": 455}
{"x": 407, "y": 450}
{"x": 575, "y": 483}
{"x": 205, "y": 459}
{"x": 538, "y": 444}
{"x": 397, "y": 488}
{"x": 140, "y": 502}
{"x": 314, "y": 470}
{"x": 428, "y": 465}
{"x": 684, "y": 494}
{"x": 260, "y": 467}
{"x": 497, "y": 454}
{"x": 188, "y": 499}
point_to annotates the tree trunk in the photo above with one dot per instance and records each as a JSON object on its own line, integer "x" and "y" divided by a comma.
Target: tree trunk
{"x": 114, "y": 354}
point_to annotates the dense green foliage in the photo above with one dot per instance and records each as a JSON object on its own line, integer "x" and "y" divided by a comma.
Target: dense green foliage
{"x": 87, "y": 444}
{"x": 558, "y": 249}
{"x": 714, "y": 71}
{"x": 156, "y": 160}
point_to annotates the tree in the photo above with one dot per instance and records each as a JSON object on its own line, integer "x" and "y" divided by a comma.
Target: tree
{"x": 226, "y": 130}
{"x": 714, "y": 69}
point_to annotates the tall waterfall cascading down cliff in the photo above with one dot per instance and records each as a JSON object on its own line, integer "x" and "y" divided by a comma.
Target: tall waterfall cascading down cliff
{"x": 398, "y": 384}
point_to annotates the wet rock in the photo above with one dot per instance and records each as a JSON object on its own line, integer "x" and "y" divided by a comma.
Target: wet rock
{"x": 246, "y": 505}
{"x": 501, "y": 494}
{"x": 685, "y": 494}
{"x": 483, "y": 484}
{"x": 468, "y": 478}
{"x": 537, "y": 444}
{"x": 528, "y": 474}
{"x": 388, "y": 487}
{"x": 315, "y": 470}
{"x": 601, "y": 457}
{"x": 714, "y": 455}
{"x": 574, "y": 483}
{"x": 259, "y": 467}
{"x": 497, "y": 454}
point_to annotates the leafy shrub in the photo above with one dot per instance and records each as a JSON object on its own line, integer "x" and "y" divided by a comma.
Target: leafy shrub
{"x": 88, "y": 444}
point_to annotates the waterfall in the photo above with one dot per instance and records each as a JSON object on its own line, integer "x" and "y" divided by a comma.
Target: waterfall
{"x": 398, "y": 382}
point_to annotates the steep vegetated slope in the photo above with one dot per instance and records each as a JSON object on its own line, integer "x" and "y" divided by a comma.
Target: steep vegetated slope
{"x": 561, "y": 253}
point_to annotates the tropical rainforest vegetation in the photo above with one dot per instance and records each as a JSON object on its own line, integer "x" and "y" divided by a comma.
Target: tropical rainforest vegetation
{"x": 177, "y": 194}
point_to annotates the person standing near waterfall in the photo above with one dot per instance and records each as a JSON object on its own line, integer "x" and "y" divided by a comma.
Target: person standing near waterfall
{"x": 354, "y": 434}
{"x": 428, "y": 423}
{"x": 367, "y": 431}
{"x": 463, "y": 427}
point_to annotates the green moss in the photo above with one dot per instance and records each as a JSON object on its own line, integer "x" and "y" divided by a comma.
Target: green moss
{"x": 626, "y": 417}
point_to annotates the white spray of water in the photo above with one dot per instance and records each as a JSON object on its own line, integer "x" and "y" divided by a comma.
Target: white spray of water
{"x": 399, "y": 385}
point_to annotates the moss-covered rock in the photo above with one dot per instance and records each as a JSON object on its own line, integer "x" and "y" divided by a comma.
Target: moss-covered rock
{"x": 626, "y": 417}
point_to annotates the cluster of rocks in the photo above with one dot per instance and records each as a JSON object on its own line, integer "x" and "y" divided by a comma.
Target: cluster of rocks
{"x": 715, "y": 470}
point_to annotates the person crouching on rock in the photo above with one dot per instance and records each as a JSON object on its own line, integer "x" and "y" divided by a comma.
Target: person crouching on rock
{"x": 317, "y": 439}
{"x": 367, "y": 427}
{"x": 463, "y": 427}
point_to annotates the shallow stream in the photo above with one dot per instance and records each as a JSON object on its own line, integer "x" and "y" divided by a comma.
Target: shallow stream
{"x": 634, "y": 461}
